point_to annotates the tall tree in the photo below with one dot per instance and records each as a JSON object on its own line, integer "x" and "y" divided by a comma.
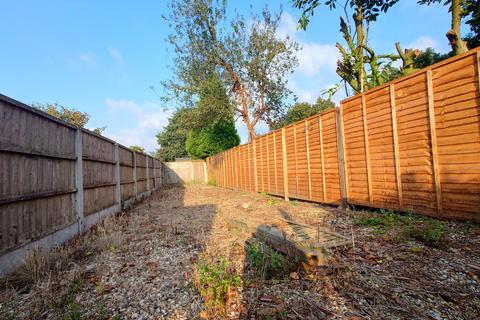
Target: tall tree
{"x": 454, "y": 35}
{"x": 211, "y": 140}
{"x": 472, "y": 9}
{"x": 246, "y": 54}
{"x": 172, "y": 138}
{"x": 357, "y": 56}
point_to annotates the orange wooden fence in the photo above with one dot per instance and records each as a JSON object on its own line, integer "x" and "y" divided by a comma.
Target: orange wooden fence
{"x": 412, "y": 144}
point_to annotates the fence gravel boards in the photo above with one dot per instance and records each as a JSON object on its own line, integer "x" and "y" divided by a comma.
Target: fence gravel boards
{"x": 57, "y": 180}
{"x": 412, "y": 144}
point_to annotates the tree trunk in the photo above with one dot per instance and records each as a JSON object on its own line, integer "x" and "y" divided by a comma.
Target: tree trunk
{"x": 454, "y": 35}
{"x": 358, "y": 18}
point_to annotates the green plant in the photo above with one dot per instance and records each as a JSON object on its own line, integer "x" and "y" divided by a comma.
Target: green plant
{"x": 214, "y": 280}
{"x": 431, "y": 232}
{"x": 72, "y": 310}
{"x": 267, "y": 262}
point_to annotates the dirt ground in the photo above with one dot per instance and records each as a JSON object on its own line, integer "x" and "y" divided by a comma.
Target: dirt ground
{"x": 142, "y": 263}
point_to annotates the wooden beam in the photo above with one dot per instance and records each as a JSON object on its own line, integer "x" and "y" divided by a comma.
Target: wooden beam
{"x": 224, "y": 167}
{"x": 255, "y": 177}
{"x": 367, "y": 153}
{"x": 433, "y": 139}
{"x": 395, "y": 145}
{"x": 308, "y": 161}
{"x": 268, "y": 167}
{"x": 249, "y": 175}
{"x": 260, "y": 140}
{"x": 295, "y": 156}
{"x": 322, "y": 161}
{"x": 275, "y": 160}
{"x": 285, "y": 168}
{"x": 342, "y": 156}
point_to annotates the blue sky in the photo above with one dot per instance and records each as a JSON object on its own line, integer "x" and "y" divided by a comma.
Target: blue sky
{"x": 101, "y": 57}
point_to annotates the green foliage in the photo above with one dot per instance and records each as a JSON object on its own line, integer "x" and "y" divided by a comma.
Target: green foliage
{"x": 137, "y": 149}
{"x": 472, "y": 11}
{"x": 407, "y": 226}
{"x": 172, "y": 138}
{"x": 267, "y": 262}
{"x": 430, "y": 231}
{"x": 213, "y": 280}
{"x": 302, "y": 110}
{"x": 429, "y": 57}
{"x": 372, "y": 8}
{"x": 213, "y": 139}
{"x": 245, "y": 54}
{"x": 69, "y": 115}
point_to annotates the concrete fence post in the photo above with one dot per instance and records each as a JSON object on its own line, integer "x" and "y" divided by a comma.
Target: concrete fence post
{"x": 135, "y": 187}
{"x": 118, "y": 194}
{"x": 79, "y": 214}
{"x": 205, "y": 172}
{"x": 146, "y": 173}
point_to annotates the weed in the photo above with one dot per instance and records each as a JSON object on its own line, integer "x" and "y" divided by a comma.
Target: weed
{"x": 72, "y": 310}
{"x": 267, "y": 262}
{"x": 430, "y": 232}
{"x": 212, "y": 182}
{"x": 214, "y": 280}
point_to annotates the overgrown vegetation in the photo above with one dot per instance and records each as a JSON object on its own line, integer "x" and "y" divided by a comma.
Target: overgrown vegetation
{"x": 267, "y": 262}
{"x": 407, "y": 226}
{"x": 70, "y": 115}
{"x": 217, "y": 282}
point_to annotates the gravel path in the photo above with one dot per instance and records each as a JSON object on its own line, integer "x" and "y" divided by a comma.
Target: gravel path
{"x": 139, "y": 266}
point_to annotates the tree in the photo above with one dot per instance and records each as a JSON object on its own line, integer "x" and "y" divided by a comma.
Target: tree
{"x": 245, "y": 54}
{"x": 302, "y": 110}
{"x": 211, "y": 140}
{"x": 137, "y": 149}
{"x": 429, "y": 57}
{"x": 69, "y": 115}
{"x": 359, "y": 66}
{"x": 472, "y": 7}
{"x": 172, "y": 138}
{"x": 454, "y": 35}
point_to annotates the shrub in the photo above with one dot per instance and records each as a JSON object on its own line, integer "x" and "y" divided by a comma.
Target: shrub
{"x": 214, "y": 280}
{"x": 267, "y": 262}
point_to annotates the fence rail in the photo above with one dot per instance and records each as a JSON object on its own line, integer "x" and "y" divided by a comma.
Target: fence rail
{"x": 412, "y": 144}
{"x": 57, "y": 180}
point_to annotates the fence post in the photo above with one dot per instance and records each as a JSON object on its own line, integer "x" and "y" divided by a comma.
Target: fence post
{"x": 135, "y": 187}
{"x": 146, "y": 172}
{"x": 255, "y": 164}
{"x": 205, "y": 172}
{"x": 320, "y": 130}
{"x": 342, "y": 159}
{"x": 433, "y": 139}
{"x": 308, "y": 161}
{"x": 79, "y": 180}
{"x": 395, "y": 145}
{"x": 367, "y": 148}
{"x": 284, "y": 163}
{"x": 275, "y": 161}
{"x": 118, "y": 197}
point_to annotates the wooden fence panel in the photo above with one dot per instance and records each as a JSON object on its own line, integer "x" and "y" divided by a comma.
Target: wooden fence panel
{"x": 355, "y": 148}
{"x": 411, "y": 101}
{"x": 412, "y": 144}
{"x": 457, "y": 113}
{"x": 381, "y": 149}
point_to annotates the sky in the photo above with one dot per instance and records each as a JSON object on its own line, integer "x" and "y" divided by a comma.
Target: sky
{"x": 102, "y": 57}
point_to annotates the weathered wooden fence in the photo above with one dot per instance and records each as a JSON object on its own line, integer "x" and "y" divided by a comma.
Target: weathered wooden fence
{"x": 57, "y": 180}
{"x": 184, "y": 171}
{"x": 412, "y": 144}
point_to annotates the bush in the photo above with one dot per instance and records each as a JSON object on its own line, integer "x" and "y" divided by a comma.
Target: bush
{"x": 214, "y": 280}
{"x": 267, "y": 262}
{"x": 214, "y": 139}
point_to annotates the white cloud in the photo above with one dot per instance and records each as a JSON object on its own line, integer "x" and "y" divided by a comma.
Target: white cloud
{"x": 422, "y": 43}
{"x": 83, "y": 60}
{"x": 116, "y": 56}
{"x": 148, "y": 119}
